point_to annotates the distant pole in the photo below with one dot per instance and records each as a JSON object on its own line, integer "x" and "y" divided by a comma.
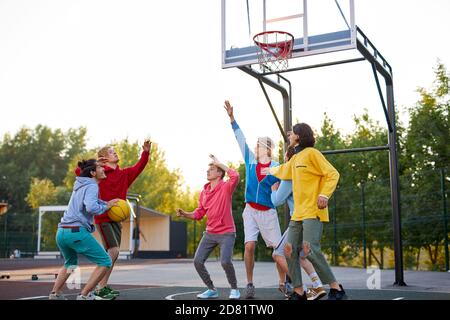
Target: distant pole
{"x": 5, "y": 236}
{"x": 444, "y": 210}
{"x": 195, "y": 234}
{"x": 138, "y": 230}
{"x": 135, "y": 231}
{"x": 335, "y": 260}
{"x": 363, "y": 207}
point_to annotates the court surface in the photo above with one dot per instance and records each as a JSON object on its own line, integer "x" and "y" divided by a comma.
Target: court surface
{"x": 178, "y": 280}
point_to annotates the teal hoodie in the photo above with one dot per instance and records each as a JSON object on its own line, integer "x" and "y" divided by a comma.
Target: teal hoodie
{"x": 255, "y": 191}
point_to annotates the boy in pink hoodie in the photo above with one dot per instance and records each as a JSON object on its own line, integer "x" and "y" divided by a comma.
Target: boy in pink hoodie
{"x": 215, "y": 203}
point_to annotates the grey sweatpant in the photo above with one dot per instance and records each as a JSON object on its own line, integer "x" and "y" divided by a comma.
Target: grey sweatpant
{"x": 206, "y": 246}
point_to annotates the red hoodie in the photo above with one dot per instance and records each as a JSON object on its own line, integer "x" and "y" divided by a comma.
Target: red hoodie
{"x": 117, "y": 183}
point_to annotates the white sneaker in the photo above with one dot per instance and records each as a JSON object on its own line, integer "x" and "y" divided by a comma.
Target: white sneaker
{"x": 208, "y": 294}
{"x": 56, "y": 296}
{"x": 90, "y": 296}
{"x": 235, "y": 294}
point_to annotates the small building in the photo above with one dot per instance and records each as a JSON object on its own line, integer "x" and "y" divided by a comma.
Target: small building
{"x": 159, "y": 237}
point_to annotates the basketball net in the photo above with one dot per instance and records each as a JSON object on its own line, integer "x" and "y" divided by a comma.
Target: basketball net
{"x": 274, "y": 50}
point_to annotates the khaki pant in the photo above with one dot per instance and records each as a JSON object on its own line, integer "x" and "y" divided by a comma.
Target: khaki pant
{"x": 309, "y": 230}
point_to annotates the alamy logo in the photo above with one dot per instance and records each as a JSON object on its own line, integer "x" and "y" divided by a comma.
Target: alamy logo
{"x": 374, "y": 280}
{"x": 74, "y": 280}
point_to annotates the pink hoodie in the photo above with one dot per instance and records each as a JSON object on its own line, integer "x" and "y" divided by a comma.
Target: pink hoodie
{"x": 216, "y": 205}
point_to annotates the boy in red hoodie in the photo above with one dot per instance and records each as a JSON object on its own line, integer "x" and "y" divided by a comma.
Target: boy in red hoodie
{"x": 215, "y": 203}
{"x": 115, "y": 185}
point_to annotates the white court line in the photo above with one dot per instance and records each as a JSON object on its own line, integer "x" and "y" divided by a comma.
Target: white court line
{"x": 179, "y": 294}
{"x": 33, "y": 298}
{"x": 75, "y": 294}
{"x": 399, "y": 298}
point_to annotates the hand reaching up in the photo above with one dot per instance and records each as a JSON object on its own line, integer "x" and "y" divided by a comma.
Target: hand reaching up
{"x": 229, "y": 110}
{"x": 147, "y": 145}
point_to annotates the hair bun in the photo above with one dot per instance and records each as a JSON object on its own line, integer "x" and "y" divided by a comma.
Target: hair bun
{"x": 83, "y": 164}
{"x": 86, "y": 166}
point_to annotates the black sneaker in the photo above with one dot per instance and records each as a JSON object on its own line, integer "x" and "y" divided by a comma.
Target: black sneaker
{"x": 250, "y": 291}
{"x": 296, "y": 296}
{"x": 336, "y": 294}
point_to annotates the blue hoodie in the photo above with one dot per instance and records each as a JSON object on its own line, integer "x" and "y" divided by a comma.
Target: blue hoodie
{"x": 83, "y": 205}
{"x": 255, "y": 191}
{"x": 284, "y": 192}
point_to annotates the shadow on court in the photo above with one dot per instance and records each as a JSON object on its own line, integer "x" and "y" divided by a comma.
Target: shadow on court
{"x": 183, "y": 293}
{"x": 177, "y": 280}
{"x": 39, "y": 291}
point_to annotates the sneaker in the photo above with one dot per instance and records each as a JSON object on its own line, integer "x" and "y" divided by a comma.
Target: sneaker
{"x": 103, "y": 294}
{"x": 208, "y": 294}
{"x": 90, "y": 296}
{"x": 282, "y": 288}
{"x": 286, "y": 289}
{"x": 235, "y": 294}
{"x": 296, "y": 296}
{"x": 289, "y": 288}
{"x": 315, "y": 293}
{"x": 112, "y": 291}
{"x": 250, "y": 291}
{"x": 56, "y": 296}
{"x": 337, "y": 295}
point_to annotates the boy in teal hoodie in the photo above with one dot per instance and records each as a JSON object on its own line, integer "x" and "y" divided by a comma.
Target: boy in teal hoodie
{"x": 74, "y": 235}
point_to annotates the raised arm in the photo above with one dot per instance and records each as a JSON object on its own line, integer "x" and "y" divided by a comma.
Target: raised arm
{"x": 232, "y": 174}
{"x": 134, "y": 171}
{"x": 246, "y": 153}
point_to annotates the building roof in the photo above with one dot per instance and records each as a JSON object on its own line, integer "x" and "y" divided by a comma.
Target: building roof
{"x": 152, "y": 212}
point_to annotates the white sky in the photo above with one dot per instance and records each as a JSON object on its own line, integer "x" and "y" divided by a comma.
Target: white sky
{"x": 145, "y": 68}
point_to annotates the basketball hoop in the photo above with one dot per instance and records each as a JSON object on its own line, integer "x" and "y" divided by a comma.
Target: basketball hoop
{"x": 275, "y": 48}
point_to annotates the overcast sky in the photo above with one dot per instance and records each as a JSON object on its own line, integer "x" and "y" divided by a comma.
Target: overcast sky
{"x": 145, "y": 68}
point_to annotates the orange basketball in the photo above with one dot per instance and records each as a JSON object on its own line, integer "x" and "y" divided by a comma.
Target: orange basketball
{"x": 120, "y": 211}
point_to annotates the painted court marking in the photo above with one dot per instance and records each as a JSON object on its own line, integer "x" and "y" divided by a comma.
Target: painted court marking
{"x": 33, "y": 298}
{"x": 179, "y": 294}
{"x": 76, "y": 294}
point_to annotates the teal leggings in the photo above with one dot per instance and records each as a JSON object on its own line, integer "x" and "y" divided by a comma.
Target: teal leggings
{"x": 72, "y": 243}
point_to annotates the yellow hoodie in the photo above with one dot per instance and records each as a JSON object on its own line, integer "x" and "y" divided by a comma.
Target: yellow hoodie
{"x": 312, "y": 175}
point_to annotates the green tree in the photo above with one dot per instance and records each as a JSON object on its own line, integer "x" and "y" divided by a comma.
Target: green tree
{"x": 43, "y": 193}
{"x": 159, "y": 186}
{"x": 238, "y": 205}
{"x": 41, "y": 153}
{"x": 427, "y": 151}
{"x": 343, "y": 236}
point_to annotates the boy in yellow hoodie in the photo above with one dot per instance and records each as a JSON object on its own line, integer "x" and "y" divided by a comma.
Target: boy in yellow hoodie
{"x": 314, "y": 180}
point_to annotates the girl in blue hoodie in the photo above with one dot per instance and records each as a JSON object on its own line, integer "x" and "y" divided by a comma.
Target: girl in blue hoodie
{"x": 74, "y": 235}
